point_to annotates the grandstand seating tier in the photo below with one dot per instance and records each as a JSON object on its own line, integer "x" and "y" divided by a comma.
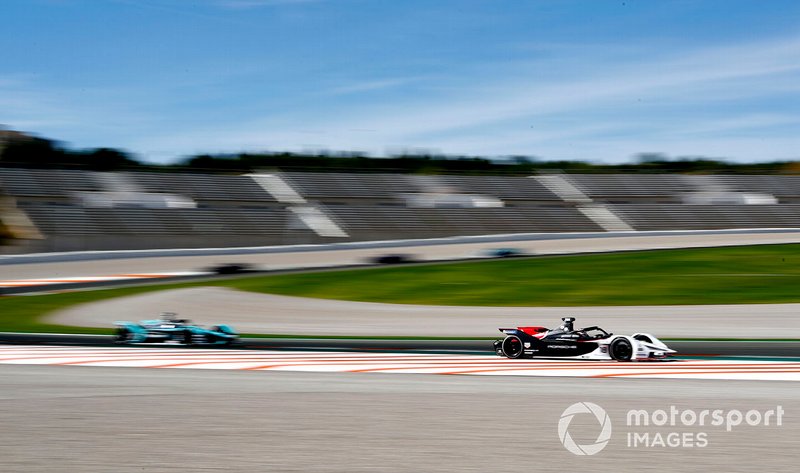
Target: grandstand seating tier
{"x": 236, "y": 210}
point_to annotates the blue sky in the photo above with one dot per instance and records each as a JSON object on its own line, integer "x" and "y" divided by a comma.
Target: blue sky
{"x": 594, "y": 80}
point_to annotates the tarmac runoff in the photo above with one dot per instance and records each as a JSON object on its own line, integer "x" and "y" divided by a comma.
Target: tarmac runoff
{"x": 100, "y": 419}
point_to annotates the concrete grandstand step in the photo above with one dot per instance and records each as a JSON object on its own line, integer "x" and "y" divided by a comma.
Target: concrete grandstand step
{"x": 315, "y": 219}
{"x": 605, "y": 217}
{"x": 278, "y": 188}
{"x": 562, "y": 187}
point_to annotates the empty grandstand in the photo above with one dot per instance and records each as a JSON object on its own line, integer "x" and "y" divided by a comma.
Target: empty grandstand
{"x": 62, "y": 210}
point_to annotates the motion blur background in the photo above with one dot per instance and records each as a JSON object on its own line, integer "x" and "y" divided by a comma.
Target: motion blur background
{"x": 425, "y": 172}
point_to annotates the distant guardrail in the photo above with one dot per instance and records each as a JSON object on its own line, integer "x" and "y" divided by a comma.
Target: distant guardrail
{"x": 122, "y": 254}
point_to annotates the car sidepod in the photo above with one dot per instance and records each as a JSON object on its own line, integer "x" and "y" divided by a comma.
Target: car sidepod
{"x": 519, "y": 344}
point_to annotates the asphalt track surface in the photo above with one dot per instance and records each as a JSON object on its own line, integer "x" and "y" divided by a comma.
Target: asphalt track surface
{"x": 96, "y": 419}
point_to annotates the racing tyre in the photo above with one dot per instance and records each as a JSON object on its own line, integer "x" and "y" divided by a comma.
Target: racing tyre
{"x": 621, "y": 349}
{"x": 187, "y": 338}
{"x": 512, "y": 346}
{"x": 122, "y": 335}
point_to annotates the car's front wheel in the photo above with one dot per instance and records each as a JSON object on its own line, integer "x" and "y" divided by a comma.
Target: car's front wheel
{"x": 621, "y": 349}
{"x": 512, "y": 347}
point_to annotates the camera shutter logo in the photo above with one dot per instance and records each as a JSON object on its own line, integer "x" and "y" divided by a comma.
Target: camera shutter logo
{"x": 584, "y": 408}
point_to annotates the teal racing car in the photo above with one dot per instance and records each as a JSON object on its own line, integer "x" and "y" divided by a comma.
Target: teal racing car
{"x": 171, "y": 329}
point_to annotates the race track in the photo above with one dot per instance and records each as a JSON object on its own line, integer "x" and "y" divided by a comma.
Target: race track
{"x": 160, "y": 409}
{"x": 273, "y": 314}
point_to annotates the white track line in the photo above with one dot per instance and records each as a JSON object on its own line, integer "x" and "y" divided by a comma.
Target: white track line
{"x": 382, "y": 362}
{"x": 90, "y": 279}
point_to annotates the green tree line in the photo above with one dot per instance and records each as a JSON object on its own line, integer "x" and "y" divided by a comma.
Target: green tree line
{"x": 45, "y": 153}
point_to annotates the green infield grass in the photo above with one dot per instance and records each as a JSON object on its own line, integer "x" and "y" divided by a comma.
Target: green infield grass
{"x": 730, "y": 275}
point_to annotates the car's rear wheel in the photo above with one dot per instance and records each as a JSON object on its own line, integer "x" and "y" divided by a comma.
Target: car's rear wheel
{"x": 512, "y": 347}
{"x": 621, "y": 349}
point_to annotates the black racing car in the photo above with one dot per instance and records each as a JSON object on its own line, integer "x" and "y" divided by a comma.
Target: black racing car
{"x": 590, "y": 343}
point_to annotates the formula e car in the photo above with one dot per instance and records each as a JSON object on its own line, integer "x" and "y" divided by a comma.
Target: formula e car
{"x": 590, "y": 343}
{"x": 170, "y": 329}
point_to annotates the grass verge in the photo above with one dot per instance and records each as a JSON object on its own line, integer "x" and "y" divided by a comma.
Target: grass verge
{"x": 729, "y": 275}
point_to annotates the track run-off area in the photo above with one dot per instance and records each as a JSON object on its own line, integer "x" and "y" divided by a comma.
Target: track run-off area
{"x": 697, "y": 367}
